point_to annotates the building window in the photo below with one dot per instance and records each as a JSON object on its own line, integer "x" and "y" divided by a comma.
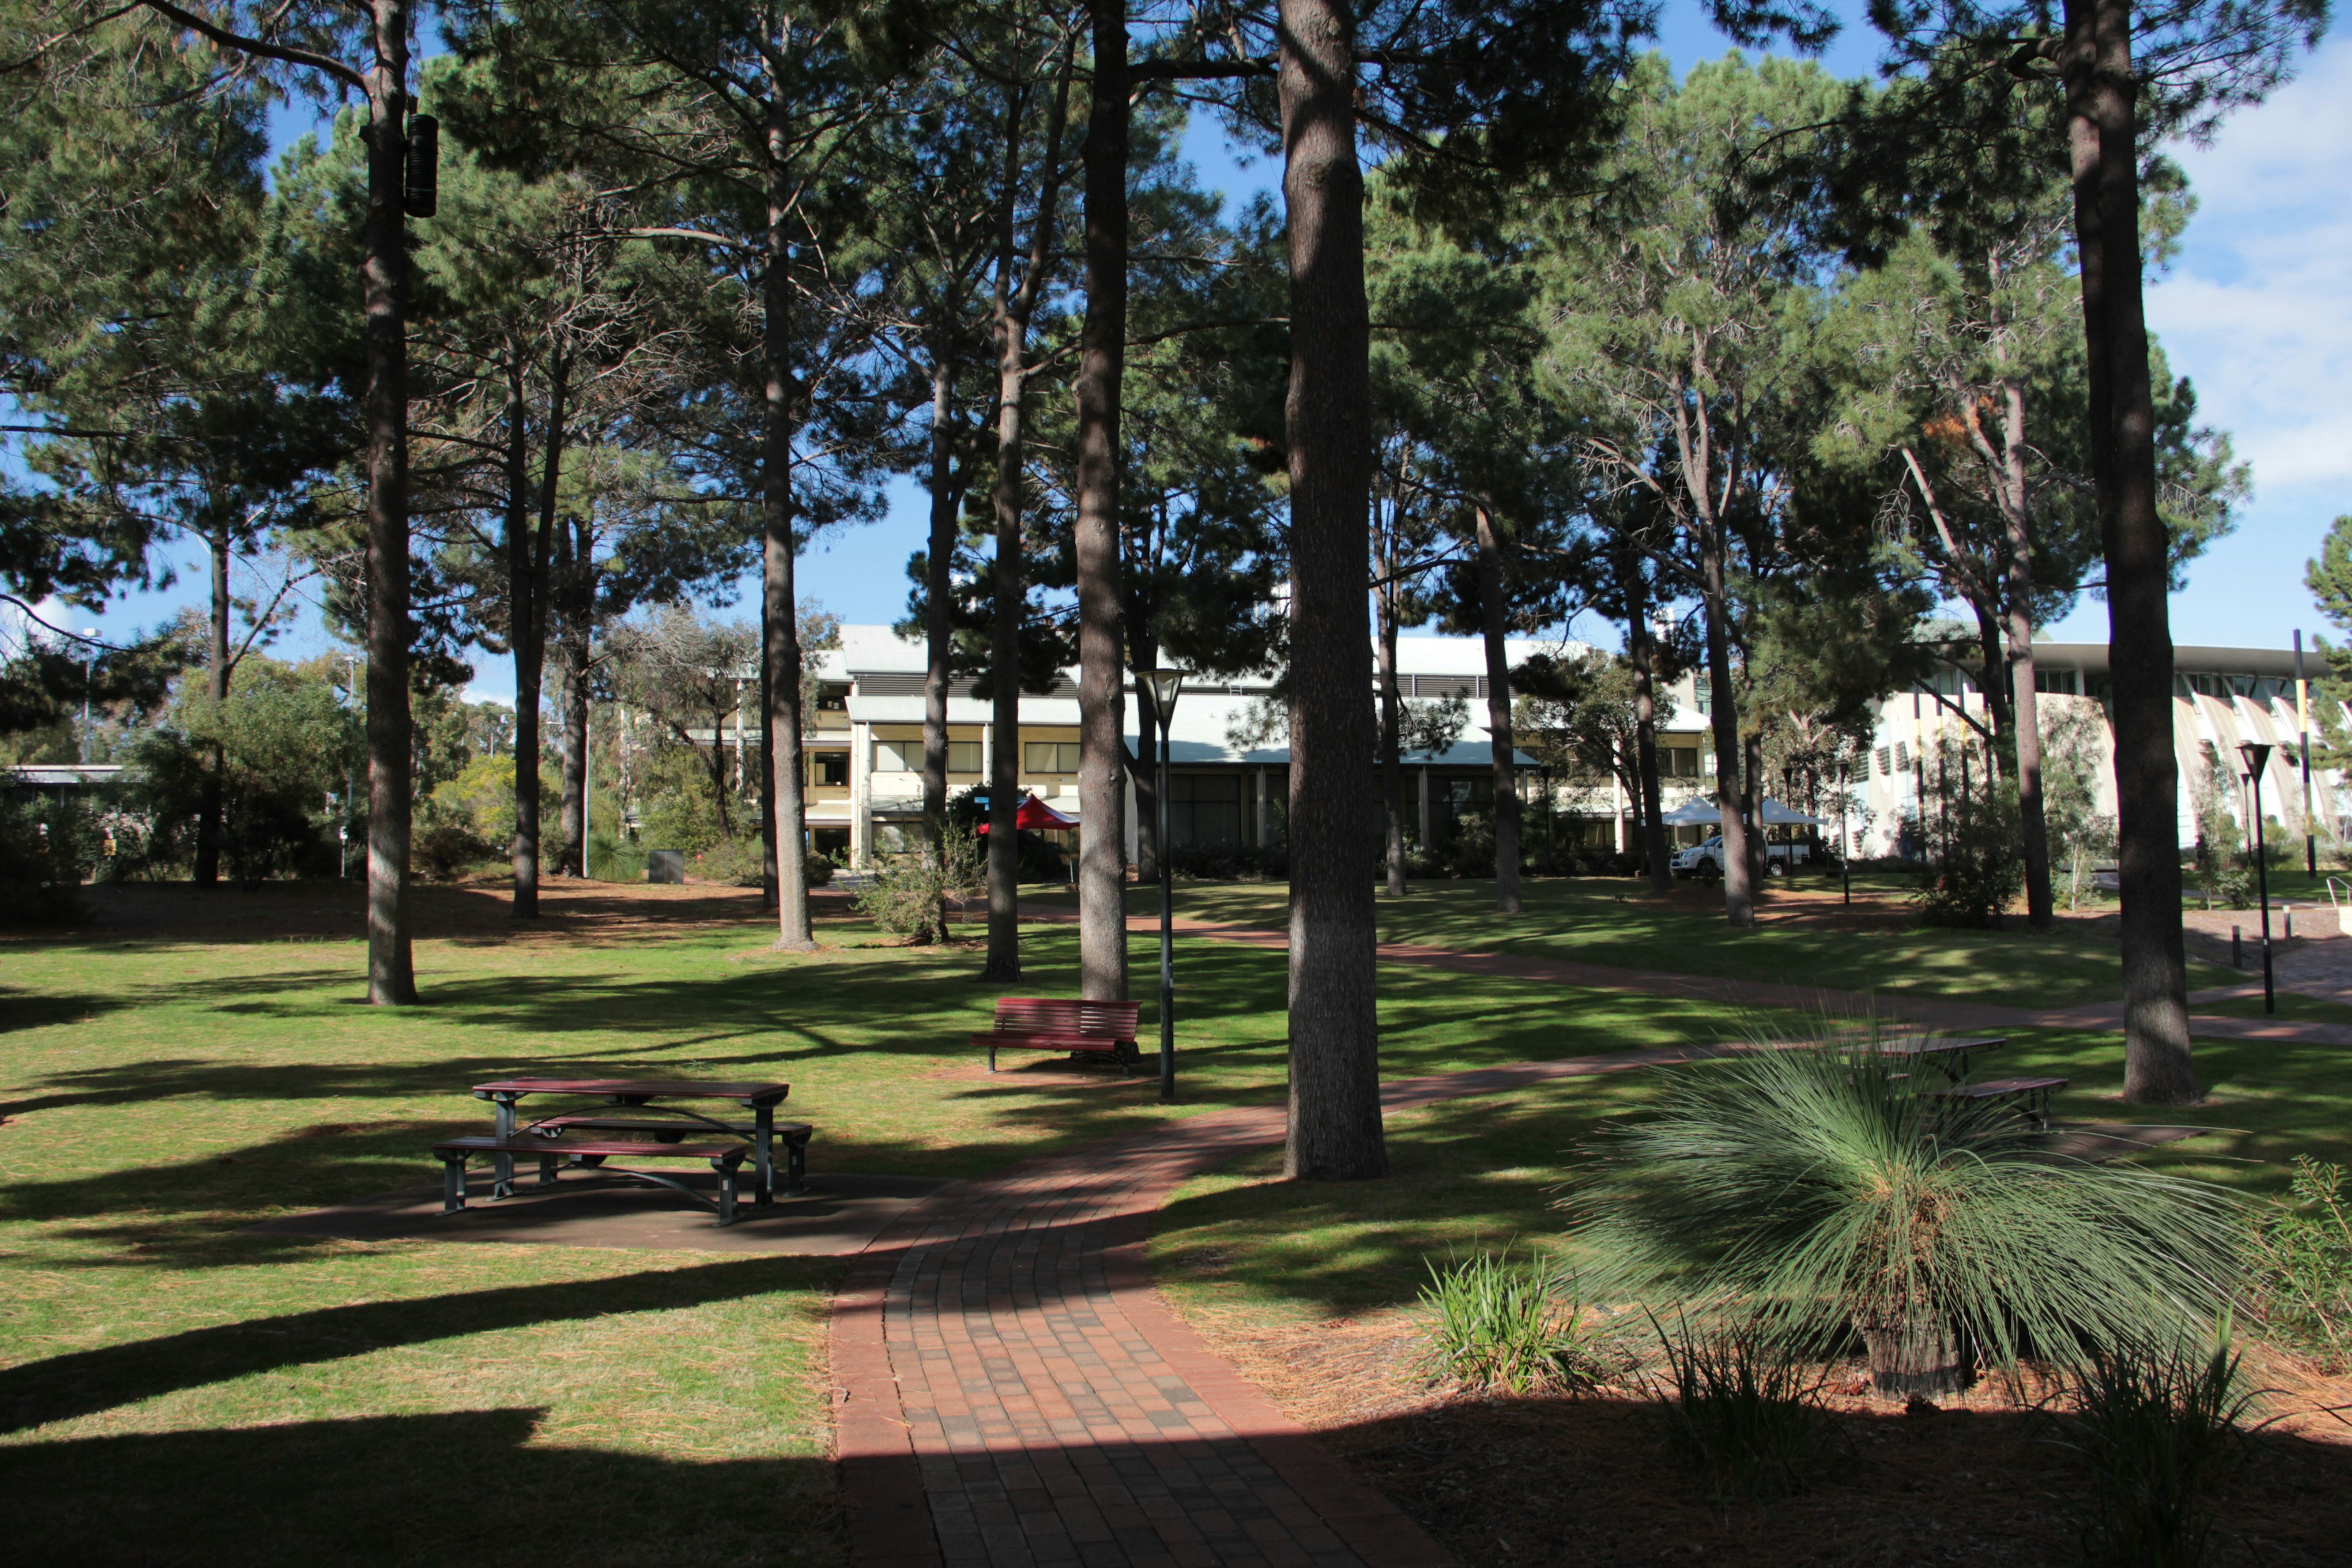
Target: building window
{"x": 898, "y": 756}
{"x": 1204, "y": 810}
{"x": 829, "y": 768}
{"x": 1902, "y": 757}
{"x": 963, "y": 756}
{"x": 1885, "y": 762}
{"x": 2062, "y": 682}
{"x": 1678, "y": 762}
{"x": 1050, "y": 756}
{"x": 833, "y": 699}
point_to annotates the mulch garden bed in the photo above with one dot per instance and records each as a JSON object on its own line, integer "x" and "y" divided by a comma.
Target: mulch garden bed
{"x": 1585, "y": 1482}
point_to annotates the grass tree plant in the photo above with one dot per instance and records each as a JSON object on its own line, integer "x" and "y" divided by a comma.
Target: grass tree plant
{"x": 1814, "y": 1189}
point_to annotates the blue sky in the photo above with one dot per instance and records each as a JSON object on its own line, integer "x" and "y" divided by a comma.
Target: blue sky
{"x": 2256, "y": 308}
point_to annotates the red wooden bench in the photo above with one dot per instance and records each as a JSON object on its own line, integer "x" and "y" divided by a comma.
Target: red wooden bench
{"x": 727, "y": 1159}
{"x": 1063, "y": 1024}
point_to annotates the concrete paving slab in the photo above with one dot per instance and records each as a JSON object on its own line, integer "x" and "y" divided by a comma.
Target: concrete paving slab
{"x": 838, "y": 1216}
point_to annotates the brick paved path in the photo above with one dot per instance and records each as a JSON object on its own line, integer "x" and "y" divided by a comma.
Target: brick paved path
{"x": 1010, "y": 1390}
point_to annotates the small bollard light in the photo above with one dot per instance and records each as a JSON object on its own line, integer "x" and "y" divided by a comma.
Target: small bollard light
{"x": 2237, "y": 948}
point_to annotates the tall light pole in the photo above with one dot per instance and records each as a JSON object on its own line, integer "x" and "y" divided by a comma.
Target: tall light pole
{"x": 1166, "y": 685}
{"x": 2256, "y": 754}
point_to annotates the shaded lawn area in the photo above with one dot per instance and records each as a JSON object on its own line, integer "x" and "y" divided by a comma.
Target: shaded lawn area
{"x": 1807, "y": 938}
{"x": 1491, "y": 1172}
{"x": 165, "y": 1375}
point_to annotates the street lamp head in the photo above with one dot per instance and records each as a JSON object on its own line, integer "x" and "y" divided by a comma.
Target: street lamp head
{"x": 1166, "y": 685}
{"x": 2256, "y": 753}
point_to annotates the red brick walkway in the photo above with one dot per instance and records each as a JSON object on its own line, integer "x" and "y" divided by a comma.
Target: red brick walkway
{"x": 1010, "y": 1390}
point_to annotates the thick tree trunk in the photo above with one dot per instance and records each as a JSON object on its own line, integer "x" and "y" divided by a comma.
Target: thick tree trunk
{"x": 383, "y": 276}
{"x": 1391, "y": 727}
{"x": 210, "y": 803}
{"x": 1335, "y": 1105}
{"x": 1752, "y": 805}
{"x": 1739, "y": 884}
{"x": 2096, "y": 64}
{"x": 1102, "y": 837}
{"x": 781, "y": 655}
{"x": 1493, "y": 617}
{"x": 767, "y": 777}
{"x": 1642, "y": 653}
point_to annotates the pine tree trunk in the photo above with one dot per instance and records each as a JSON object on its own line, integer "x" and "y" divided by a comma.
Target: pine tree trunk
{"x": 781, "y": 658}
{"x": 527, "y": 567}
{"x": 210, "y": 804}
{"x": 1003, "y": 962}
{"x": 938, "y": 586}
{"x": 2025, "y": 701}
{"x": 383, "y": 274}
{"x": 2096, "y": 64}
{"x": 1102, "y": 839}
{"x": 1642, "y": 653}
{"x": 1391, "y": 727}
{"x": 1335, "y": 1105}
{"x": 1493, "y": 615}
{"x": 573, "y": 643}
{"x": 1738, "y": 885}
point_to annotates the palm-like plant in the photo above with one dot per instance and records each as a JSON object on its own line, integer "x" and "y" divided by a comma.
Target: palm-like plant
{"x": 1816, "y": 1187}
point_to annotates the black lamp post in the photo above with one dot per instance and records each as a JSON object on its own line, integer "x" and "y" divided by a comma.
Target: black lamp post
{"x": 1166, "y": 685}
{"x": 2256, "y": 754}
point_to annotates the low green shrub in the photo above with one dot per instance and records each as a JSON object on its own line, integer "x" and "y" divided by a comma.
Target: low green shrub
{"x": 2160, "y": 1426}
{"x": 1977, "y": 860}
{"x": 1744, "y": 1410}
{"x": 2231, "y": 887}
{"x": 1500, "y": 1324}
{"x": 2304, "y": 1245}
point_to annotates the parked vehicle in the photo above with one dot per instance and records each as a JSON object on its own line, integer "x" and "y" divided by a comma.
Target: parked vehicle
{"x": 1707, "y": 859}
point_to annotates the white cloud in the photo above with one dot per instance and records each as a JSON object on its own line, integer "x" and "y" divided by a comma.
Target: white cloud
{"x": 2257, "y": 308}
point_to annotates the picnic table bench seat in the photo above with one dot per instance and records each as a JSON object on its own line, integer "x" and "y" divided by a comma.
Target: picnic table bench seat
{"x": 725, "y": 1158}
{"x": 793, "y": 1135}
{"x": 1063, "y": 1024}
{"x": 2030, "y": 1095}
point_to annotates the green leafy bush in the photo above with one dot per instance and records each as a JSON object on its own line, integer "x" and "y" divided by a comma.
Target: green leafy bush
{"x": 2160, "y": 1426}
{"x": 1822, "y": 1191}
{"x": 1743, "y": 1410}
{"x": 1976, "y": 865}
{"x": 1497, "y": 1324}
{"x": 46, "y": 849}
{"x": 908, "y": 897}
{"x": 2231, "y": 886}
{"x": 2303, "y": 1242}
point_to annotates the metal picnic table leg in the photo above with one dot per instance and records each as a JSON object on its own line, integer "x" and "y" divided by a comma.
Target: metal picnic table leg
{"x": 764, "y": 1155}
{"x": 502, "y": 1165}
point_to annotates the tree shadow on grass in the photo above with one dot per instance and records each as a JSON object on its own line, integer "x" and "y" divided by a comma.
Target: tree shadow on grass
{"x": 456, "y": 1487}
{"x": 22, "y": 1009}
{"x": 34, "y": 1393}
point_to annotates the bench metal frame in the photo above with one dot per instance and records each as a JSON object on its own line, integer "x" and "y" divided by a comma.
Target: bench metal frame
{"x": 454, "y": 1193}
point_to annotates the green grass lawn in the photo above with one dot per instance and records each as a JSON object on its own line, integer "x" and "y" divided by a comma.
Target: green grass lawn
{"x": 1618, "y": 921}
{"x": 163, "y": 1093}
{"x": 166, "y": 1374}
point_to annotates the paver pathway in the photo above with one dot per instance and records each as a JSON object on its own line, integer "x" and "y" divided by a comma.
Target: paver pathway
{"x": 1010, "y": 1391}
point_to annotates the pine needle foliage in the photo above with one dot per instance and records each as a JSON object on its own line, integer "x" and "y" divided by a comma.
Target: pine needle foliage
{"x": 1815, "y": 1188}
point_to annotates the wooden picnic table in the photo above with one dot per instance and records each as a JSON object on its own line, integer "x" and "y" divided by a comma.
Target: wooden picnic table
{"x": 647, "y": 1095}
{"x": 1948, "y": 1054}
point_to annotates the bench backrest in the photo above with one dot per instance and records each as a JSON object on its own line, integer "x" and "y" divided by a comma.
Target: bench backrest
{"x": 1066, "y": 1016}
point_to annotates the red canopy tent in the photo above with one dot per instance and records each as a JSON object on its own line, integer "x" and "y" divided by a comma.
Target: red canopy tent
{"x": 1036, "y": 815}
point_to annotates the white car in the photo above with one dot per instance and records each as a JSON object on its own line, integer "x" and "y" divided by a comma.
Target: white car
{"x": 1707, "y": 859}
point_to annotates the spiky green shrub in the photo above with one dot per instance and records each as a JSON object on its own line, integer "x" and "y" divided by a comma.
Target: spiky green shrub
{"x": 2304, "y": 1241}
{"x": 1820, "y": 1188}
{"x": 2160, "y": 1426}
{"x": 1743, "y": 1410}
{"x": 1499, "y": 1324}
